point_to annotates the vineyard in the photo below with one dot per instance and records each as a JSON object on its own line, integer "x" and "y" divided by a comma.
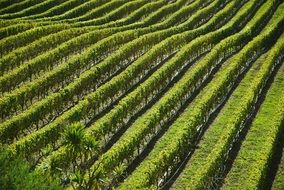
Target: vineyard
{"x": 142, "y": 94}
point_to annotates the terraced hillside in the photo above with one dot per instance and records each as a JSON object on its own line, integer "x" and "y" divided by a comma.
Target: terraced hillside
{"x": 143, "y": 94}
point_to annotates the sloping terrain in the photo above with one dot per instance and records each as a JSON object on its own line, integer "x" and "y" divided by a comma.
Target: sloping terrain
{"x": 136, "y": 94}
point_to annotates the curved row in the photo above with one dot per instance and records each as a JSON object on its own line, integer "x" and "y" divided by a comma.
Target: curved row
{"x": 94, "y": 74}
{"x": 218, "y": 140}
{"x": 171, "y": 148}
{"x": 143, "y": 94}
{"x": 255, "y": 154}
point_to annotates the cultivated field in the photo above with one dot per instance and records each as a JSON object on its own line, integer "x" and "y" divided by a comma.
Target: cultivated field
{"x": 142, "y": 94}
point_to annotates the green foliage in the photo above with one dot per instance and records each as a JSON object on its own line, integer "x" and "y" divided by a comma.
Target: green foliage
{"x": 80, "y": 147}
{"x": 23, "y": 38}
{"x": 67, "y": 64}
{"x": 77, "y": 141}
{"x": 15, "y": 174}
{"x": 208, "y": 159}
{"x": 279, "y": 178}
{"x": 169, "y": 151}
{"x": 98, "y": 98}
{"x": 251, "y": 165}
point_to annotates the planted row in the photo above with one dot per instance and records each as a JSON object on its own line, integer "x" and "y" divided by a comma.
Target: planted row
{"x": 6, "y": 3}
{"x": 35, "y": 9}
{"x": 278, "y": 183}
{"x": 171, "y": 149}
{"x": 93, "y": 76}
{"x": 156, "y": 82}
{"x": 202, "y": 169}
{"x": 98, "y": 12}
{"x": 57, "y": 10}
{"x": 120, "y": 153}
{"x": 116, "y": 14}
{"x": 15, "y": 6}
{"x": 40, "y": 86}
{"x": 22, "y": 54}
{"x": 79, "y": 10}
{"x": 21, "y": 39}
{"x": 14, "y": 29}
{"x": 142, "y": 95}
{"x": 136, "y": 15}
{"x": 49, "y": 59}
{"x": 7, "y": 80}
{"x": 149, "y": 19}
{"x": 253, "y": 160}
